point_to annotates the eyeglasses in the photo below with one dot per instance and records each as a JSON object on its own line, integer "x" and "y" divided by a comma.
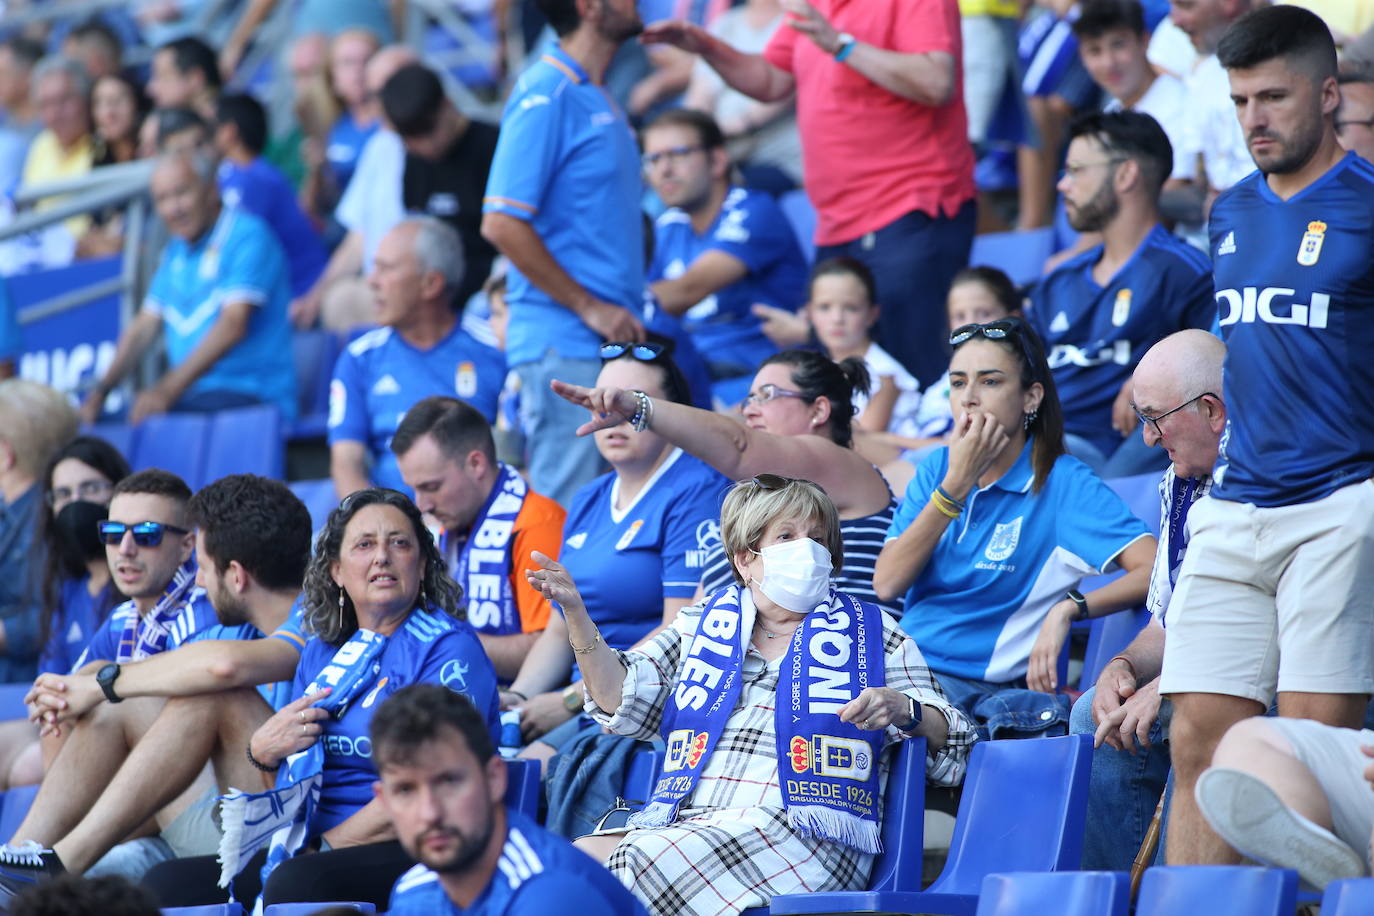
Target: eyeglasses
{"x": 644, "y": 352}
{"x": 1073, "y": 171}
{"x": 88, "y": 490}
{"x": 993, "y": 330}
{"x": 1154, "y": 421}
{"x": 146, "y": 534}
{"x": 770, "y": 391}
{"x": 674, "y": 154}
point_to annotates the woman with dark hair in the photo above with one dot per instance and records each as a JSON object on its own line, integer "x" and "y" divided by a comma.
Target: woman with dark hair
{"x": 383, "y": 612}
{"x": 995, "y": 532}
{"x": 118, "y": 107}
{"x": 798, "y": 421}
{"x": 634, "y": 537}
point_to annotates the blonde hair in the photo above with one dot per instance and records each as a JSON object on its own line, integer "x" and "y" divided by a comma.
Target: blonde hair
{"x": 35, "y": 421}
{"x": 752, "y": 505}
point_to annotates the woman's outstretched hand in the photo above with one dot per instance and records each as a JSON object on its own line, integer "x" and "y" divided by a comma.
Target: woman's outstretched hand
{"x": 609, "y": 406}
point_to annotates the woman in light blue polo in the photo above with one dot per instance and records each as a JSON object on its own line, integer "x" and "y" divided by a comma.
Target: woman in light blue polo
{"x": 995, "y": 532}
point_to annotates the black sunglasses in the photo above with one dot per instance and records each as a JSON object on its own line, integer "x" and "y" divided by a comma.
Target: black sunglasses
{"x": 771, "y": 482}
{"x": 146, "y": 534}
{"x": 1000, "y": 329}
{"x": 645, "y": 352}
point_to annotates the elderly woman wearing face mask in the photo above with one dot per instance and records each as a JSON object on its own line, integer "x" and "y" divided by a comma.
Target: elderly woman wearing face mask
{"x": 724, "y": 831}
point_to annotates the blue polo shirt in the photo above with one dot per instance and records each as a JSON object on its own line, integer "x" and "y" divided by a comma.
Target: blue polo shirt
{"x": 752, "y": 228}
{"x": 567, "y": 164}
{"x": 238, "y": 259}
{"x": 264, "y": 192}
{"x": 379, "y": 376}
{"x": 626, "y": 562}
{"x": 977, "y": 606}
{"x": 1095, "y": 335}
{"x": 539, "y": 873}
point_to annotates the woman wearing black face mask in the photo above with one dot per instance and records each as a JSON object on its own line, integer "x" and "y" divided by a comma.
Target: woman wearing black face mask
{"x": 77, "y": 594}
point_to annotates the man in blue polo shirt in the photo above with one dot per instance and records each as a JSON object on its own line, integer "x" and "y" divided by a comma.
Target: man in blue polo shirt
{"x": 139, "y": 735}
{"x": 247, "y": 180}
{"x": 562, "y": 204}
{"x": 218, "y": 300}
{"x": 420, "y": 350}
{"x": 442, "y": 784}
{"x": 1099, "y": 312}
{"x": 718, "y": 249}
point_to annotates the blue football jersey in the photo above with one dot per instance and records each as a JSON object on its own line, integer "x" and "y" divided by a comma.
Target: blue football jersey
{"x": 1095, "y": 335}
{"x": 626, "y": 563}
{"x": 538, "y": 874}
{"x": 1295, "y": 295}
{"x": 379, "y": 376}
{"x": 427, "y": 649}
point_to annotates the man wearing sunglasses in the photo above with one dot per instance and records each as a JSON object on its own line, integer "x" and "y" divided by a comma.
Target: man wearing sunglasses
{"x": 139, "y": 732}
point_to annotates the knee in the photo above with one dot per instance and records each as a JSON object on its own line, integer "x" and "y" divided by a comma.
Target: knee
{"x": 1081, "y": 716}
{"x": 1194, "y": 736}
{"x": 1246, "y": 741}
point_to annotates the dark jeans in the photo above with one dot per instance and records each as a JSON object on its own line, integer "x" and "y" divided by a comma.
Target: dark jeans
{"x": 913, "y": 260}
{"x": 359, "y": 874}
{"x": 1009, "y": 710}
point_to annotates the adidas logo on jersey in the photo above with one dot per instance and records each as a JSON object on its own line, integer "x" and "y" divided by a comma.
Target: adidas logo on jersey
{"x": 577, "y": 540}
{"x": 386, "y": 385}
{"x": 1251, "y": 304}
{"x": 1228, "y": 245}
{"x": 1060, "y": 324}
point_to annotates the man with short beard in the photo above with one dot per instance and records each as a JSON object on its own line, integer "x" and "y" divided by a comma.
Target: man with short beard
{"x": 1099, "y": 312}
{"x": 442, "y": 784}
{"x": 142, "y": 728}
{"x": 1275, "y": 593}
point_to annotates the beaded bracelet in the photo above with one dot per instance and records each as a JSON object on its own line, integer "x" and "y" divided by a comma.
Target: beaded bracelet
{"x": 644, "y": 412}
{"x": 255, "y": 762}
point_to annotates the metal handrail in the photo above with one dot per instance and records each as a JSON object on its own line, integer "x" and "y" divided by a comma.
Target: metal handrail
{"x": 106, "y": 194}
{"x": 140, "y": 170}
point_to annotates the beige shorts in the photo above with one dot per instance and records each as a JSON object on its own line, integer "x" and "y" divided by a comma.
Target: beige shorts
{"x": 1333, "y": 755}
{"x": 1275, "y": 599}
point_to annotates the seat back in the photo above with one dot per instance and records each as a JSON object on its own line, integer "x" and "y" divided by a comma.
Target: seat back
{"x": 18, "y": 800}
{"x": 319, "y": 498}
{"x": 1023, "y": 809}
{"x": 1064, "y": 893}
{"x": 898, "y": 866}
{"x": 1020, "y": 255}
{"x": 175, "y": 442}
{"x": 1218, "y": 890}
{"x": 309, "y": 909}
{"x": 522, "y": 786}
{"x": 796, "y": 206}
{"x": 1107, "y": 636}
{"x": 1350, "y": 897}
{"x": 313, "y": 354}
{"x": 12, "y": 703}
{"x": 121, "y": 435}
{"x": 205, "y": 909}
{"x": 245, "y": 440}
{"x": 639, "y": 778}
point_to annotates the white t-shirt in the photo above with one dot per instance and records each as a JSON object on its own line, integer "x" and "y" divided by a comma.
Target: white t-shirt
{"x": 1167, "y": 102}
{"x": 1171, "y": 50}
{"x": 372, "y": 203}
{"x": 881, "y": 365}
{"x": 1211, "y": 126}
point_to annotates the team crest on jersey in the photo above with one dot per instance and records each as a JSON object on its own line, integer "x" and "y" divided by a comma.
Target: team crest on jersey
{"x": 629, "y": 534}
{"x": 1121, "y": 310}
{"x": 1311, "y": 247}
{"x": 1005, "y": 537}
{"x": 465, "y": 379}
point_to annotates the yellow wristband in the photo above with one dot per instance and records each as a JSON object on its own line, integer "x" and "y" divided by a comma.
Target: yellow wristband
{"x": 943, "y": 511}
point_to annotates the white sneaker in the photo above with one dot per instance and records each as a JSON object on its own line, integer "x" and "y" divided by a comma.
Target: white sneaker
{"x": 1246, "y": 813}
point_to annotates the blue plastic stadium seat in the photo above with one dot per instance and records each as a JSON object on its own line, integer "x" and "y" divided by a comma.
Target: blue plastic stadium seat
{"x": 313, "y": 353}
{"x": 309, "y": 909}
{"x": 205, "y": 909}
{"x": 639, "y": 779}
{"x": 121, "y": 435}
{"x": 1064, "y": 893}
{"x": 1217, "y": 890}
{"x": 319, "y": 498}
{"x": 12, "y": 703}
{"x": 245, "y": 440}
{"x": 796, "y": 206}
{"x": 18, "y": 800}
{"x": 1107, "y": 636}
{"x": 1350, "y": 897}
{"x": 1023, "y": 809}
{"x": 175, "y": 442}
{"x": 522, "y": 786}
{"x": 1020, "y": 255}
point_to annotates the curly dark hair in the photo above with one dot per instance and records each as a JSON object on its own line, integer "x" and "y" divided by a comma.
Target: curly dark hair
{"x": 258, "y": 522}
{"x": 335, "y": 623}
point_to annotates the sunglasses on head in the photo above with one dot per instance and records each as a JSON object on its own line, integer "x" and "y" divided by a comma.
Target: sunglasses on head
{"x": 771, "y": 482}
{"x": 1000, "y": 329}
{"x": 146, "y": 534}
{"x": 644, "y": 352}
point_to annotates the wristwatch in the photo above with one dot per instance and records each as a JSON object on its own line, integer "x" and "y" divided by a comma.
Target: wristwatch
{"x": 909, "y": 726}
{"x": 1077, "y": 598}
{"x": 105, "y": 677}
{"x": 844, "y": 46}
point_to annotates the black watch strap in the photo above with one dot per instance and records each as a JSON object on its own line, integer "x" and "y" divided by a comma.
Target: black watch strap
{"x": 1077, "y": 598}
{"x": 105, "y": 677}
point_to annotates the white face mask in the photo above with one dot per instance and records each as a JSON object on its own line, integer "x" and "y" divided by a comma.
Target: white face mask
{"x": 796, "y": 574}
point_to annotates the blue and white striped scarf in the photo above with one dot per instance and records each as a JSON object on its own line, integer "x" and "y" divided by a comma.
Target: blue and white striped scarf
{"x": 145, "y": 635}
{"x": 282, "y": 816}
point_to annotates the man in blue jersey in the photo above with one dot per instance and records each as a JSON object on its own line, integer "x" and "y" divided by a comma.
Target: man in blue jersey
{"x": 139, "y": 733}
{"x": 562, "y": 204}
{"x": 442, "y": 784}
{"x": 218, "y": 301}
{"x": 1100, "y": 311}
{"x": 420, "y": 350}
{"x": 1275, "y": 592}
{"x": 718, "y": 249}
{"x": 248, "y": 180}
{"x": 1176, "y": 390}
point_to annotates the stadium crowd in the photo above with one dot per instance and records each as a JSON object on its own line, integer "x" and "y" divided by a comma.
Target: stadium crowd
{"x": 677, "y": 408}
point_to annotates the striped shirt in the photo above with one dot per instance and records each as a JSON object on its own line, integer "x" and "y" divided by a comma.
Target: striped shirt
{"x": 1176, "y": 497}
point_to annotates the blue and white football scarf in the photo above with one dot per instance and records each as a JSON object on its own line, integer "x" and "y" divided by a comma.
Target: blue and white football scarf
{"x": 484, "y": 558}
{"x": 146, "y": 635}
{"x": 827, "y": 769}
